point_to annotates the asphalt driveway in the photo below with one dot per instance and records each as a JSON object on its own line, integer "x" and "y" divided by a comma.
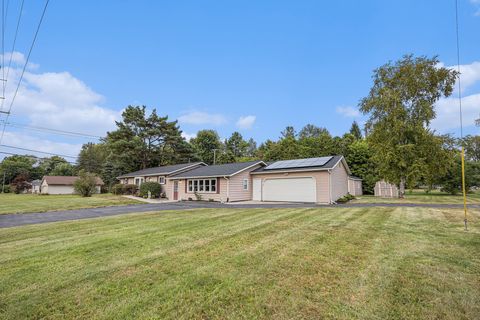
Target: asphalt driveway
{"x": 13, "y": 220}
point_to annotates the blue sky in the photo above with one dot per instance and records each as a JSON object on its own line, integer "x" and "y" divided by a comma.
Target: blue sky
{"x": 251, "y": 66}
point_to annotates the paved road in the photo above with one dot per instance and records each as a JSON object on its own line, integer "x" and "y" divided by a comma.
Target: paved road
{"x": 13, "y": 220}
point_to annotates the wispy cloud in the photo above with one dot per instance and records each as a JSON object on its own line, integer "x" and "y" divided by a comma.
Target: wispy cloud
{"x": 476, "y": 4}
{"x": 246, "y": 122}
{"x": 200, "y": 117}
{"x": 350, "y": 112}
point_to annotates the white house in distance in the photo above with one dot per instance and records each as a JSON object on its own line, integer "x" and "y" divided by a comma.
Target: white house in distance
{"x": 314, "y": 180}
{"x": 62, "y": 185}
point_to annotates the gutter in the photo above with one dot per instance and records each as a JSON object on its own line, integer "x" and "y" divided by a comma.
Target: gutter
{"x": 330, "y": 186}
{"x": 228, "y": 187}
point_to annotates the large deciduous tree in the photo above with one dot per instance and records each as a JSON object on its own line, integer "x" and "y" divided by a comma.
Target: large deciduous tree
{"x": 205, "y": 143}
{"x": 400, "y": 106}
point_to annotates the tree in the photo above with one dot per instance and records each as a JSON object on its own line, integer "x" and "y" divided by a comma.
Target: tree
{"x": 63, "y": 169}
{"x": 312, "y": 131}
{"x": 361, "y": 163}
{"x": 318, "y": 145}
{"x": 86, "y": 183}
{"x": 205, "y": 143}
{"x": 236, "y": 145}
{"x": 14, "y": 166}
{"x": 251, "y": 148}
{"x": 47, "y": 165}
{"x": 20, "y": 183}
{"x": 289, "y": 132}
{"x": 400, "y": 106}
{"x": 451, "y": 181}
{"x": 142, "y": 141}
{"x": 355, "y": 130}
{"x": 92, "y": 157}
{"x": 472, "y": 147}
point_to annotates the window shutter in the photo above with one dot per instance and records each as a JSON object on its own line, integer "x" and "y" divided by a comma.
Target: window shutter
{"x": 186, "y": 185}
{"x": 218, "y": 185}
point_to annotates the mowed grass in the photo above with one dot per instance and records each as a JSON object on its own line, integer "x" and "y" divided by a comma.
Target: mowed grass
{"x": 25, "y": 203}
{"x": 420, "y": 196}
{"x": 334, "y": 263}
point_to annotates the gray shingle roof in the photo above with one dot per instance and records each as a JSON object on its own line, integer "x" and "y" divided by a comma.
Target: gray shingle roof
{"x": 329, "y": 165}
{"x": 163, "y": 170}
{"x": 219, "y": 170}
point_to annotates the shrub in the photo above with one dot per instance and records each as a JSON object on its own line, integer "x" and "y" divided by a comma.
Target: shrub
{"x": 118, "y": 189}
{"x": 198, "y": 196}
{"x": 20, "y": 183}
{"x": 345, "y": 198}
{"x": 154, "y": 187}
{"x": 86, "y": 183}
{"x": 130, "y": 189}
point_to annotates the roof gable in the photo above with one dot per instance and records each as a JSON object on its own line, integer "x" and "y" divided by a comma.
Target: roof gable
{"x": 65, "y": 180}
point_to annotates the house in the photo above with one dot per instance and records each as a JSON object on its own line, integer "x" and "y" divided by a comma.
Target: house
{"x": 158, "y": 174}
{"x": 223, "y": 182}
{"x": 36, "y": 186}
{"x": 385, "y": 189}
{"x": 319, "y": 180}
{"x": 315, "y": 180}
{"x": 62, "y": 185}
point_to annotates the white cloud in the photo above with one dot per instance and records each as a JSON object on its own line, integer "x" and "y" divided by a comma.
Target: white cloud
{"x": 469, "y": 73}
{"x": 55, "y": 100}
{"x": 199, "y": 118}
{"x": 350, "y": 112}
{"x": 476, "y": 4}
{"x": 246, "y": 122}
{"x": 448, "y": 114}
{"x": 188, "y": 136}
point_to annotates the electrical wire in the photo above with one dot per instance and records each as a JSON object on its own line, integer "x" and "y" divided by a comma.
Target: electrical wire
{"x": 53, "y": 131}
{"x": 24, "y": 67}
{"x": 38, "y": 151}
{"x": 29, "y": 156}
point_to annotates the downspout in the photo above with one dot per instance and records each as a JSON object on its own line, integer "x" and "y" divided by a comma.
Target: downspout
{"x": 228, "y": 187}
{"x": 330, "y": 185}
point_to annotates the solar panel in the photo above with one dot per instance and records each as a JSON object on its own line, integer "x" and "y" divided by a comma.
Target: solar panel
{"x": 299, "y": 163}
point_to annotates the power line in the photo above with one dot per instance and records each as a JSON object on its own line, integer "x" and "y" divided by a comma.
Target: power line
{"x": 29, "y": 156}
{"x": 49, "y": 130}
{"x": 38, "y": 151}
{"x": 24, "y": 67}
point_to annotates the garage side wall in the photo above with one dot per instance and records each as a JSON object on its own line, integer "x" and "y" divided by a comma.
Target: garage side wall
{"x": 321, "y": 180}
{"x": 339, "y": 178}
{"x": 236, "y": 186}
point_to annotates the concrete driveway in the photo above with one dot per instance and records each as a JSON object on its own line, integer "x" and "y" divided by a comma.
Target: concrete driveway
{"x": 13, "y": 220}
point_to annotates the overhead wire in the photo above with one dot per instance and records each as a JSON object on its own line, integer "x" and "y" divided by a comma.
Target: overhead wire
{"x": 23, "y": 70}
{"x": 50, "y": 130}
{"x": 30, "y": 156}
{"x": 38, "y": 151}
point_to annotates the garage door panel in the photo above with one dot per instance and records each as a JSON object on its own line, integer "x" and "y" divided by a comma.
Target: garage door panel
{"x": 290, "y": 189}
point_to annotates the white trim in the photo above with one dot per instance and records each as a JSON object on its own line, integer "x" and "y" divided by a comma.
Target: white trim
{"x": 218, "y": 176}
{"x": 245, "y": 185}
{"x": 162, "y": 173}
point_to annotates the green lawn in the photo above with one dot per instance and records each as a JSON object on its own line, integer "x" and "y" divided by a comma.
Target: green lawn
{"x": 420, "y": 196}
{"x": 21, "y": 203}
{"x": 336, "y": 263}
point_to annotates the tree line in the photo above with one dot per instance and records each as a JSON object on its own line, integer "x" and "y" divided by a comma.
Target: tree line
{"x": 396, "y": 143}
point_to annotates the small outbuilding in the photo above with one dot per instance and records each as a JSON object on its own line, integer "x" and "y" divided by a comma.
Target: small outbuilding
{"x": 62, "y": 185}
{"x": 36, "y": 186}
{"x": 355, "y": 186}
{"x": 385, "y": 189}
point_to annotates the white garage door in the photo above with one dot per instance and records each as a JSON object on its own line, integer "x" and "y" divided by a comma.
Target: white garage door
{"x": 290, "y": 189}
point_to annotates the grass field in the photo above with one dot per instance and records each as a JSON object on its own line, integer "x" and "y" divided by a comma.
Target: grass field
{"x": 22, "y": 203}
{"x": 362, "y": 263}
{"x": 420, "y": 196}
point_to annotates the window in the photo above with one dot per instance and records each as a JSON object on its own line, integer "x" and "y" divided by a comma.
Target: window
{"x": 245, "y": 184}
{"x": 138, "y": 181}
{"x": 161, "y": 180}
{"x": 202, "y": 185}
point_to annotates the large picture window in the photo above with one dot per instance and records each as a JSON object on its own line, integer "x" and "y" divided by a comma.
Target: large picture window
{"x": 202, "y": 185}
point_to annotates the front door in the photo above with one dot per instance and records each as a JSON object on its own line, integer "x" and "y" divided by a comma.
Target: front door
{"x": 175, "y": 190}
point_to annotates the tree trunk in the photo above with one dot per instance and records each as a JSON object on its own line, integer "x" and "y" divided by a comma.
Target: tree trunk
{"x": 401, "y": 192}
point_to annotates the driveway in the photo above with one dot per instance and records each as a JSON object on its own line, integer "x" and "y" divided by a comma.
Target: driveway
{"x": 13, "y": 220}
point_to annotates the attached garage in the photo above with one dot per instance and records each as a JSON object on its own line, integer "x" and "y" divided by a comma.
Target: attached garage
{"x": 289, "y": 189}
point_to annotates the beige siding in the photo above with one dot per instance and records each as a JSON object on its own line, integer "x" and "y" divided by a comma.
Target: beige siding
{"x": 321, "y": 180}
{"x": 355, "y": 187}
{"x": 339, "y": 184}
{"x": 60, "y": 190}
{"x": 236, "y": 192}
{"x": 385, "y": 190}
{"x": 183, "y": 193}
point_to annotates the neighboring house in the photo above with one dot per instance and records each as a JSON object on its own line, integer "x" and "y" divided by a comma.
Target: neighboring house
{"x": 36, "y": 186}
{"x": 62, "y": 185}
{"x": 355, "y": 186}
{"x": 223, "y": 182}
{"x": 158, "y": 174}
{"x": 315, "y": 180}
{"x": 385, "y": 190}
{"x": 320, "y": 180}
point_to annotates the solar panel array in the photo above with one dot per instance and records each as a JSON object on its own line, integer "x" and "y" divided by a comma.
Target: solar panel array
{"x": 299, "y": 163}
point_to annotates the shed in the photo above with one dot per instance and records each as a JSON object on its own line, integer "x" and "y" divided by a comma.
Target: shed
{"x": 355, "y": 186}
